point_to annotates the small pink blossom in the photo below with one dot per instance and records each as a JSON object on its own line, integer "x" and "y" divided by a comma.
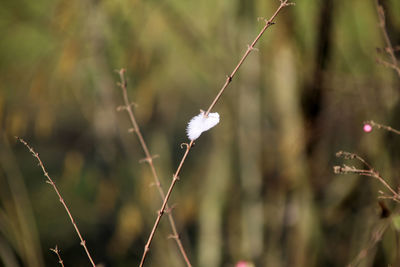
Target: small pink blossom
{"x": 367, "y": 128}
{"x": 243, "y": 264}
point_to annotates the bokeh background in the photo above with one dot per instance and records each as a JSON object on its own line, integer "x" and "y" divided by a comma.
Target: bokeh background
{"x": 259, "y": 187}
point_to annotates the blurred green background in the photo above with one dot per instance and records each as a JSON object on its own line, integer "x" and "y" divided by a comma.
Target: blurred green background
{"x": 258, "y": 187}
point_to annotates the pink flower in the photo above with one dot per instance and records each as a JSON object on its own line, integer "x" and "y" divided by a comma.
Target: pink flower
{"x": 243, "y": 264}
{"x": 367, "y": 128}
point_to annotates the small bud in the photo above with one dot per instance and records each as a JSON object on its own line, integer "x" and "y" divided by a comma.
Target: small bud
{"x": 244, "y": 264}
{"x": 367, "y": 128}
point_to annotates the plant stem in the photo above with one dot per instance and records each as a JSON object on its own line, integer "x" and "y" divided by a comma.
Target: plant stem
{"x": 50, "y": 181}
{"x": 389, "y": 47}
{"x": 162, "y": 210}
{"x": 381, "y": 126}
{"x": 268, "y": 23}
{"x": 149, "y": 160}
{"x": 57, "y": 252}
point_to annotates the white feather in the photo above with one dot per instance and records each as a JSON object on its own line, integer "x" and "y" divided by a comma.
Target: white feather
{"x": 199, "y": 124}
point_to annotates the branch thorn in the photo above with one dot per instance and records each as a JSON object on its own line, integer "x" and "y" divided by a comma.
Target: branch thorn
{"x": 149, "y": 159}
{"x": 252, "y": 48}
{"x": 171, "y": 236}
{"x": 121, "y": 108}
{"x": 170, "y": 208}
{"x": 155, "y": 184}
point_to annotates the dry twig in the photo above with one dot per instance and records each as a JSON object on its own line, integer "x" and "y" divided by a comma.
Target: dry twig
{"x": 381, "y": 126}
{"x": 149, "y": 159}
{"x": 268, "y": 23}
{"x": 57, "y": 252}
{"x": 376, "y": 236}
{"x": 369, "y": 171}
{"x": 389, "y": 47}
{"x": 60, "y": 198}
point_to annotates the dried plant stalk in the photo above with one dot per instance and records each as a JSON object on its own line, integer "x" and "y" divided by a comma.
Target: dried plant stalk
{"x": 268, "y": 23}
{"x": 375, "y": 238}
{"x": 369, "y": 171}
{"x": 381, "y": 126}
{"x": 149, "y": 159}
{"x": 389, "y": 47}
{"x": 57, "y": 252}
{"x": 60, "y": 198}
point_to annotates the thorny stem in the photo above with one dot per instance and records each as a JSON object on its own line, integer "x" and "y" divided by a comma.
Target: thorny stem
{"x": 229, "y": 78}
{"x": 149, "y": 160}
{"x": 50, "y": 181}
{"x": 162, "y": 210}
{"x": 365, "y": 172}
{"x": 382, "y": 24}
{"x": 57, "y": 252}
{"x": 268, "y": 23}
{"x": 381, "y": 126}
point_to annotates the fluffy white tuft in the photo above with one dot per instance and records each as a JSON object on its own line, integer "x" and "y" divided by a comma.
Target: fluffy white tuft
{"x": 199, "y": 124}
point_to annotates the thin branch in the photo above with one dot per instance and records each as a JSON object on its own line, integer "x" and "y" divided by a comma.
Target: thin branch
{"x": 57, "y": 252}
{"x": 268, "y": 23}
{"x": 375, "y": 238}
{"x": 345, "y": 169}
{"x": 164, "y": 205}
{"x": 250, "y": 48}
{"x": 50, "y": 181}
{"x": 381, "y": 126}
{"x": 388, "y": 65}
{"x": 389, "y": 47}
{"x": 149, "y": 159}
{"x": 348, "y": 155}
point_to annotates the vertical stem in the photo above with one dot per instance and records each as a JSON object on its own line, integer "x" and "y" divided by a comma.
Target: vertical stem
{"x": 268, "y": 23}
{"x": 248, "y": 51}
{"x": 389, "y": 48}
{"x": 149, "y": 160}
{"x": 162, "y": 210}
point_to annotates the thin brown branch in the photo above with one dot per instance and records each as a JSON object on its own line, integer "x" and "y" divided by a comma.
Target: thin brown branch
{"x": 50, "y": 181}
{"x": 348, "y": 155}
{"x": 250, "y": 48}
{"x": 164, "y": 205}
{"x": 389, "y": 47}
{"x": 149, "y": 159}
{"x": 381, "y": 126}
{"x": 388, "y": 65}
{"x": 57, "y": 252}
{"x": 345, "y": 169}
{"x": 370, "y": 172}
{"x": 268, "y": 23}
{"x": 375, "y": 238}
